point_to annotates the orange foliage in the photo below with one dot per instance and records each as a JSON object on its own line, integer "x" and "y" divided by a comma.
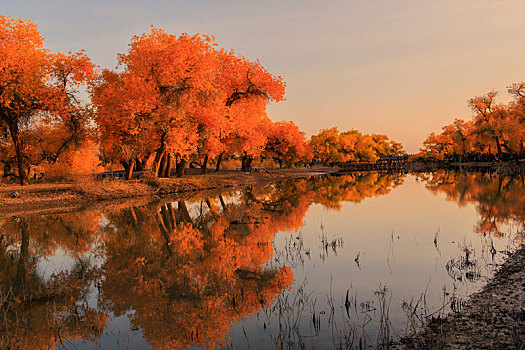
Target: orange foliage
{"x": 37, "y": 93}
{"x": 181, "y": 98}
{"x": 286, "y": 143}
{"x": 495, "y": 130}
{"x": 331, "y": 146}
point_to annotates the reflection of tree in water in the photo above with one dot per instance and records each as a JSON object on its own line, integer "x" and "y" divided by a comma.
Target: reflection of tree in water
{"x": 190, "y": 274}
{"x": 187, "y": 269}
{"x": 38, "y": 310}
{"x": 188, "y": 279}
{"x": 353, "y": 187}
{"x": 499, "y": 199}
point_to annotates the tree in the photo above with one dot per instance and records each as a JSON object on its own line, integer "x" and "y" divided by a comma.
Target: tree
{"x": 122, "y": 112}
{"x": 24, "y": 65}
{"x": 362, "y": 146}
{"x": 247, "y": 88}
{"x": 456, "y": 139}
{"x": 384, "y": 147}
{"x": 157, "y": 91}
{"x": 35, "y": 86}
{"x": 495, "y": 129}
{"x": 326, "y": 146}
{"x": 286, "y": 143}
{"x": 487, "y": 115}
{"x": 181, "y": 98}
{"x": 330, "y": 145}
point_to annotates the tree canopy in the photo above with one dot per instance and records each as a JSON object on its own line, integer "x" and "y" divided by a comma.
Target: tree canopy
{"x": 496, "y": 130}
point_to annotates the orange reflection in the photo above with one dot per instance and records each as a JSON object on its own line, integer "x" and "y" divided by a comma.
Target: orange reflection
{"x": 499, "y": 199}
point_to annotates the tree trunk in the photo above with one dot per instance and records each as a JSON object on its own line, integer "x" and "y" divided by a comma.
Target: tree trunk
{"x": 167, "y": 171}
{"x": 164, "y": 232}
{"x": 180, "y": 167}
{"x": 7, "y": 167}
{"x": 134, "y": 216}
{"x": 128, "y": 169}
{"x": 204, "y": 165}
{"x": 166, "y": 217}
{"x": 173, "y": 216}
{"x": 219, "y": 162}
{"x": 246, "y": 163}
{"x": 163, "y": 165}
{"x": 140, "y": 164}
{"x": 22, "y": 175}
{"x": 159, "y": 154}
{"x": 500, "y": 152}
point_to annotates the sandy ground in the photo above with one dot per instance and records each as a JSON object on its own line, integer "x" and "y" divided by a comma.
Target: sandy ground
{"x": 493, "y": 319}
{"x": 52, "y": 197}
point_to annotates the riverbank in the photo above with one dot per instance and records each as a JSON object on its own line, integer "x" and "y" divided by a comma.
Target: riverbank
{"x": 503, "y": 168}
{"x": 494, "y": 318}
{"x": 65, "y": 196}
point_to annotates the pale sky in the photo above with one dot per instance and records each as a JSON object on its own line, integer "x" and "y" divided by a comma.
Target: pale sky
{"x": 403, "y": 68}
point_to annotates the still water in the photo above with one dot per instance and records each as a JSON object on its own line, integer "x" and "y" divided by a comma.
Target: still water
{"x": 352, "y": 261}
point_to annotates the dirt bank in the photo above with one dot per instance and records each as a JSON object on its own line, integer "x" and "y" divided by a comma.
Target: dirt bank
{"x": 66, "y": 196}
{"x": 493, "y": 319}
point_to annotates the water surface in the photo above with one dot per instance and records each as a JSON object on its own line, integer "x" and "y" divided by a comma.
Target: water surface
{"x": 344, "y": 261}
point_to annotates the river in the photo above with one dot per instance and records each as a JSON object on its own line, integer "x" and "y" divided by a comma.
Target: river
{"x": 350, "y": 261}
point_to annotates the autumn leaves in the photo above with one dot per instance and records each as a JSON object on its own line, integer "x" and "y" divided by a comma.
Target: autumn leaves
{"x": 181, "y": 99}
{"x": 333, "y": 146}
{"x": 40, "y": 115}
{"x": 172, "y": 99}
{"x": 496, "y": 130}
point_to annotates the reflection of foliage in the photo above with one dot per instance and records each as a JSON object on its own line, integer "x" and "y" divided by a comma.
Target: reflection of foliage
{"x": 190, "y": 279}
{"x": 499, "y": 199}
{"x": 188, "y": 270}
{"x": 37, "y": 310}
{"x": 353, "y": 187}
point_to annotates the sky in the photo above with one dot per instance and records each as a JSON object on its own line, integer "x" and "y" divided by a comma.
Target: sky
{"x": 403, "y": 68}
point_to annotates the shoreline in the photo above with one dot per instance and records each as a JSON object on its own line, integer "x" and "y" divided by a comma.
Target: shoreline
{"x": 48, "y": 197}
{"x": 499, "y": 167}
{"x": 494, "y": 318}
{"x": 504, "y": 168}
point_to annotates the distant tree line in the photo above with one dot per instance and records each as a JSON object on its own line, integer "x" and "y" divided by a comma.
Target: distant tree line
{"x": 496, "y": 131}
{"x": 333, "y": 146}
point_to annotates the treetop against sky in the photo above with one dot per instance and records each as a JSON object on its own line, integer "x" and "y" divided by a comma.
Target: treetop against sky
{"x": 376, "y": 66}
